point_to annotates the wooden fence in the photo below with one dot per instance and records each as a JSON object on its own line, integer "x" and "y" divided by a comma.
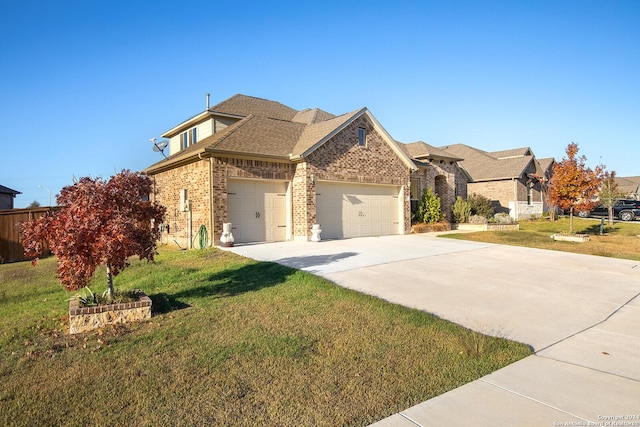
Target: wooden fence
{"x": 11, "y": 249}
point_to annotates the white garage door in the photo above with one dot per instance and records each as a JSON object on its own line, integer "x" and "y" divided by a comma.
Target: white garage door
{"x": 257, "y": 210}
{"x": 356, "y": 210}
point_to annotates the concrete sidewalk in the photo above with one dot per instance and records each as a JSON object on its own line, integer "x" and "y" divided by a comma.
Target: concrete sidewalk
{"x": 580, "y": 314}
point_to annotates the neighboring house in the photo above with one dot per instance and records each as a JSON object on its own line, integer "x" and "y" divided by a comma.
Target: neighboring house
{"x": 629, "y": 186}
{"x": 437, "y": 170}
{"x": 274, "y": 172}
{"x": 508, "y": 178}
{"x": 6, "y": 197}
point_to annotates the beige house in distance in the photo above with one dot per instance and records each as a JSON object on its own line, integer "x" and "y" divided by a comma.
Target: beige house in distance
{"x": 273, "y": 172}
{"x": 629, "y": 185}
{"x": 507, "y": 178}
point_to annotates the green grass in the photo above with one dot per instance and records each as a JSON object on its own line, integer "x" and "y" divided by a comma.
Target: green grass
{"x": 618, "y": 241}
{"x": 232, "y": 342}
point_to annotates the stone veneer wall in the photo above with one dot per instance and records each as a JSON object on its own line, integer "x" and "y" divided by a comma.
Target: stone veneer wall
{"x": 449, "y": 174}
{"x": 83, "y": 319}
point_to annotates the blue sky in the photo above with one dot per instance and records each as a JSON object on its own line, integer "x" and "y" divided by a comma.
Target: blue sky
{"x": 85, "y": 84}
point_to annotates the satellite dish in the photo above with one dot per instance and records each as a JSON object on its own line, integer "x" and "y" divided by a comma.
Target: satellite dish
{"x": 159, "y": 146}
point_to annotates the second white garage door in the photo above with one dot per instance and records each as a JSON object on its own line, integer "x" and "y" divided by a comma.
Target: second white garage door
{"x": 357, "y": 210}
{"x": 257, "y": 210}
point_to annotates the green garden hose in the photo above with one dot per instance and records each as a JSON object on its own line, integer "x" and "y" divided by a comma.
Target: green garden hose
{"x": 202, "y": 236}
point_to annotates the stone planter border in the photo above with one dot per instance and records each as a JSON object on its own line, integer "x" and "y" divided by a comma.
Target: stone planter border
{"x": 571, "y": 237}
{"x": 487, "y": 227}
{"x": 84, "y": 319}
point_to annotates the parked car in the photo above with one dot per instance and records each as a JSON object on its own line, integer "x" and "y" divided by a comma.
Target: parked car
{"x": 624, "y": 209}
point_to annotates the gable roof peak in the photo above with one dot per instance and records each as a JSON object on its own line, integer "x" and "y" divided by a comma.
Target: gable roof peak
{"x": 312, "y": 115}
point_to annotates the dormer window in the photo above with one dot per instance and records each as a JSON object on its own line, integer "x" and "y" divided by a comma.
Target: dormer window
{"x": 362, "y": 137}
{"x": 188, "y": 138}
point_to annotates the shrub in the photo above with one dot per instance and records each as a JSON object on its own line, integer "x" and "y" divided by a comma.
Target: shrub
{"x": 480, "y": 205}
{"x": 429, "y": 208}
{"x": 461, "y": 210}
{"x": 502, "y": 218}
{"x": 478, "y": 219}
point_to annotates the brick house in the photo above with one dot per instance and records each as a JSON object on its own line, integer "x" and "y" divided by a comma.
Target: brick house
{"x": 273, "y": 172}
{"x": 437, "y": 170}
{"x": 6, "y": 197}
{"x": 507, "y": 178}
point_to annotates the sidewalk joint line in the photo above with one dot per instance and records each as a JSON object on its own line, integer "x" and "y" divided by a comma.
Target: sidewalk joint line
{"x": 533, "y": 399}
{"x": 588, "y": 367}
{"x": 592, "y": 326}
{"x": 408, "y": 418}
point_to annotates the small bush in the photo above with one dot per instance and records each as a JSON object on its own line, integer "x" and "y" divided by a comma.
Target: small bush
{"x": 502, "y": 218}
{"x": 478, "y": 219}
{"x": 480, "y": 205}
{"x": 461, "y": 210}
{"x": 429, "y": 208}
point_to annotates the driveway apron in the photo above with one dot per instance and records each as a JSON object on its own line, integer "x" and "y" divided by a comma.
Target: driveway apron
{"x": 579, "y": 313}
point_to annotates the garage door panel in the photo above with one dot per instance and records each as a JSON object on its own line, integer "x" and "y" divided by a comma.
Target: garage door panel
{"x": 352, "y": 210}
{"x": 257, "y": 210}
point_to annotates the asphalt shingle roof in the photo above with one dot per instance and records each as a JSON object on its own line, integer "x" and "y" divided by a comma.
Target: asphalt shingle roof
{"x": 629, "y": 184}
{"x": 243, "y": 105}
{"x": 421, "y": 150}
{"x": 484, "y": 166}
{"x": 258, "y": 135}
{"x": 317, "y": 132}
{"x": 311, "y": 116}
{"x": 271, "y": 129}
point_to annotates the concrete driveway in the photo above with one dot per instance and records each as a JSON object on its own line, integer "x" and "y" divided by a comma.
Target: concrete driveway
{"x": 580, "y": 314}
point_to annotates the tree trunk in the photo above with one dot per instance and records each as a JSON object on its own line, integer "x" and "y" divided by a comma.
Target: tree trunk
{"x": 610, "y": 215}
{"x": 571, "y": 220}
{"x": 109, "y": 284}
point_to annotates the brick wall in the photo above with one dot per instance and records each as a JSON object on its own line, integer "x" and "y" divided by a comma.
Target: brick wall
{"x": 228, "y": 167}
{"x": 194, "y": 177}
{"x": 342, "y": 159}
{"x": 444, "y": 178}
{"x": 499, "y": 192}
{"x": 506, "y": 191}
{"x": 339, "y": 159}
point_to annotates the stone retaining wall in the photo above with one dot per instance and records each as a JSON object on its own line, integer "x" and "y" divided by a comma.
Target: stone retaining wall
{"x": 83, "y": 319}
{"x": 487, "y": 227}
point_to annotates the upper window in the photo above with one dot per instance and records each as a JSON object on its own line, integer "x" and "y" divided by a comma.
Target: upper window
{"x": 362, "y": 137}
{"x": 188, "y": 138}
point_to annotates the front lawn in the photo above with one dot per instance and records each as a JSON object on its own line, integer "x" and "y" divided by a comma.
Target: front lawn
{"x": 232, "y": 342}
{"x": 618, "y": 241}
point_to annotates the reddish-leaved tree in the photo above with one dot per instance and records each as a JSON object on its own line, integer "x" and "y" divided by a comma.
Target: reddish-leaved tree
{"x": 574, "y": 186}
{"x": 100, "y": 222}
